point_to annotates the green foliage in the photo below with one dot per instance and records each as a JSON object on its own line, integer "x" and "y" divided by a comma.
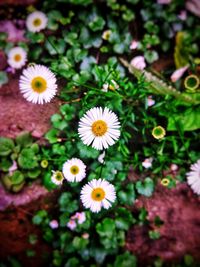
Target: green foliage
{"x": 3, "y": 78}
{"x": 6, "y": 146}
{"x": 146, "y": 187}
{"x": 125, "y": 260}
{"x": 23, "y": 154}
{"x": 82, "y": 47}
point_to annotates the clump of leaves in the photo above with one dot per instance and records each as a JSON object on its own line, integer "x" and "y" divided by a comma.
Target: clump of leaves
{"x": 19, "y": 161}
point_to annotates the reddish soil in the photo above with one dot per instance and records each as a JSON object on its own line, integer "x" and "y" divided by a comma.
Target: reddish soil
{"x": 179, "y": 209}
{"x": 17, "y": 210}
{"x": 16, "y": 226}
{"x": 18, "y": 2}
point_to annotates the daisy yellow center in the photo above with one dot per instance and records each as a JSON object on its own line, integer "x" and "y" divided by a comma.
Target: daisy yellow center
{"x": 99, "y": 128}
{"x": 74, "y": 170}
{"x": 37, "y": 22}
{"x": 17, "y": 57}
{"x": 39, "y": 84}
{"x": 98, "y": 194}
{"x": 59, "y": 176}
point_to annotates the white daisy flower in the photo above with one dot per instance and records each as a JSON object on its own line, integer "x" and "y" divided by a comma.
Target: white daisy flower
{"x": 74, "y": 170}
{"x": 17, "y": 57}
{"x": 193, "y": 177}
{"x": 99, "y": 127}
{"x": 38, "y": 84}
{"x": 97, "y": 194}
{"x": 36, "y": 21}
{"x": 57, "y": 177}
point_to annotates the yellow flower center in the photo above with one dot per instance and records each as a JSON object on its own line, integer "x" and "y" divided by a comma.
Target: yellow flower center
{"x": 165, "y": 182}
{"x": 37, "y": 22}
{"x": 74, "y": 170}
{"x": 99, "y": 128}
{"x": 98, "y": 194}
{"x": 59, "y": 176}
{"x": 39, "y": 85}
{"x": 17, "y": 57}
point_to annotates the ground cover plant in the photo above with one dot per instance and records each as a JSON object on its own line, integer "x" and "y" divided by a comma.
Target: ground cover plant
{"x": 122, "y": 128}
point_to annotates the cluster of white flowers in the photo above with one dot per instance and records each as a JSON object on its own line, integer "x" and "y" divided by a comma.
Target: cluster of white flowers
{"x": 99, "y": 127}
{"x": 37, "y": 83}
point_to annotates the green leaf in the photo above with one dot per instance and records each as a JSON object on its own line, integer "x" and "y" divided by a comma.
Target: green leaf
{"x": 87, "y": 151}
{"x": 33, "y": 239}
{"x": 124, "y": 219}
{"x": 5, "y": 164}
{"x": 27, "y": 159}
{"x": 146, "y": 187}
{"x": 39, "y": 217}
{"x": 52, "y": 136}
{"x": 58, "y": 122}
{"x": 53, "y": 18}
{"x": 46, "y": 180}
{"x": 24, "y": 139}
{"x": 98, "y": 253}
{"x": 154, "y": 235}
{"x": 72, "y": 262}
{"x": 33, "y": 173}
{"x": 97, "y": 23}
{"x": 35, "y": 148}
{"x": 125, "y": 260}
{"x": 17, "y": 178}
{"x": 79, "y": 243}
{"x": 127, "y": 195}
{"x": 106, "y": 228}
{"x": 35, "y": 37}
{"x": 3, "y": 78}
{"x": 55, "y": 46}
{"x": 17, "y": 187}
{"x": 151, "y": 56}
{"x": 6, "y": 146}
{"x": 188, "y": 119}
{"x": 188, "y": 260}
{"x": 13, "y": 262}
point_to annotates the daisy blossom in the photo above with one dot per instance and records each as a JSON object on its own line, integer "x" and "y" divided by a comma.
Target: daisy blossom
{"x": 17, "y": 57}
{"x": 74, "y": 170}
{"x": 57, "y": 177}
{"x": 98, "y": 194}
{"x": 99, "y": 127}
{"x": 193, "y": 177}
{"x": 36, "y": 21}
{"x": 38, "y": 84}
